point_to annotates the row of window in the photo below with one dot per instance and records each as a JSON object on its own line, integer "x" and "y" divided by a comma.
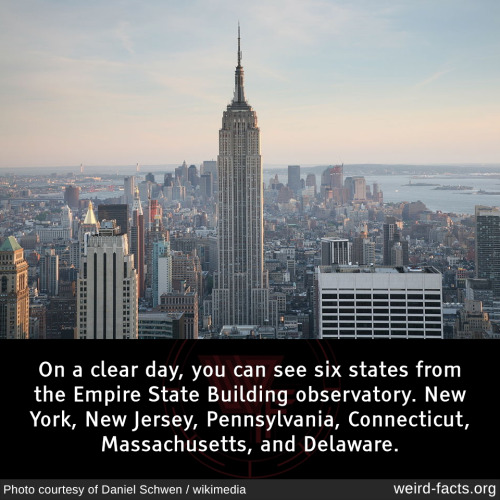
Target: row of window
{"x": 380, "y": 333}
{"x": 418, "y": 326}
{"x": 420, "y": 318}
{"x": 427, "y": 296}
{"x": 360, "y": 310}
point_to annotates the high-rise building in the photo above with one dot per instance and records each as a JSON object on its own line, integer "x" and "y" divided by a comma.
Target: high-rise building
{"x": 129, "y": 189}
{"x": 67, "y": 219}
{"x": 395, "y": 247}
{"x": 206, "y": 185}
{"x": 488, "y": 245}
{"x": 137, "y": 242}
{"x": 241, "y": 292}
{"x": 117, "y": 212}
{"x": 294, "y": 178}
{"x": 378, "y": 302}
{"x": 181, "y": 173}
{"x": 210, "y": 167}
{"x": 335, "y": 251}
{"x": 72, "y": 196}
{"x": 14, "y": 291}
{"x": 193, "y": 175}
{"x": 332, "y": 184}
{"x": 107, "y": 287}
{"x": 363, "y": 250}
{"x": 356, "y": 188}
{"x": 184, "y": 301}
{"x": 186, "y": 268}
{"x": 311, "y": 182}
{"x": 49, "y": 272}
{"x": 161, "y": 268}
{"x": 159, "y": 326}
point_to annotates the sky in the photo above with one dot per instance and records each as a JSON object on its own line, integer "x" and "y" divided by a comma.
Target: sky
{"x": 120, "y": 82}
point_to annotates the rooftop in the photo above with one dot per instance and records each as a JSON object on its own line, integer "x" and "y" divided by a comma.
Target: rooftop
{"x": 10, "y": 245}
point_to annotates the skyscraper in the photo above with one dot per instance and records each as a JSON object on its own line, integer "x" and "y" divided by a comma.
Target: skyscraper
{"x": 294, "y": 178}
{"x": 117, "y": 212}
{"x": 129, "y": 189}
{"x": 161, "y": 268}
{"x": 335, "y": 251}
{"x": 137, "y": 242}
{"x": 49, "y": 272}
{"x": 107, "y": 287}
{"x": 240, "y": 294}
{"x": 371, "y": 302}
{"x": 488, "y": 245}
{"x": 14, "y": 291}
{"x": 393, "y": 238}
{"x": 72, "y": 196}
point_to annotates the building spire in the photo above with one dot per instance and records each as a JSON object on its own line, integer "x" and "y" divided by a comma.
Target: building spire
{"x": 239, "y": 90}
{"x": 239, "y": 50}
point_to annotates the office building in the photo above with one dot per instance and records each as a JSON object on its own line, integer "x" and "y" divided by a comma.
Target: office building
{"x": 107, "y": 287}
{"x": 393, "y": 238}
{"x": 161, "y": 326}
{"x": 488, "y": 246}
{"x": 186, "y": 271}
{"x": 363, "y": 250}
{"x": 335, "y": 251}
{"x": 210, "y": 167}
{"x": 14, "y": 291}
{"x": 378, "y": 302}
{"x": 72, "y": 197}
{"x": 161, "y": 268}
{"x": 129, "y": 189}
{"x": 117, "y": 212}
{"x": 473, "y": 322}
{"x": 137, "y": 242}
{"x": 294, "y": 178}
{"x": 49, "y": 272}
{"x": 184, "y": 301}
{"x": 311, "y": 182}
{"x": 240, "y": 294}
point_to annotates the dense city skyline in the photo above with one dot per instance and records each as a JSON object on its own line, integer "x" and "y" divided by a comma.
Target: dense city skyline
{"x": 353, "y": 82}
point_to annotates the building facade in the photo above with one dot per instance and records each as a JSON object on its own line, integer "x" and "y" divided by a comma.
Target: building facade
{"x": 49, "y": 272}
{"x": 488, "y": 246}
{"x": 184, "y": 301}
{"x": 335, "y": 251}
{"x": 294, "y": 178}
{"x": 107, "y": 287}
{"x": 14, "y": 291}
{"x": 383, "y": 302}
{"x": 240, "y": 295}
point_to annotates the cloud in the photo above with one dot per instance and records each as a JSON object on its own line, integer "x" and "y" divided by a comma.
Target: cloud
{"x": 122, "y": 32}
{"x": 436, "y": 76}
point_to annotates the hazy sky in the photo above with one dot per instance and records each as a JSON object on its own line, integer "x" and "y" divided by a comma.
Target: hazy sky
{"x": 112, "y": 82}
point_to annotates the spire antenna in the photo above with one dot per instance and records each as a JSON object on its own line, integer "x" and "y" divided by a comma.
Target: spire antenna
{"x": 239, "y": 50}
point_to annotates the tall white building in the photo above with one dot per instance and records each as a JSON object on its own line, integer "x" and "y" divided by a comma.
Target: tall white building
{"x": 107, "y": 287}
{"x": 335, "y": 251}
{"x": 378, "y": 302}
{"x": 240, "y": 294}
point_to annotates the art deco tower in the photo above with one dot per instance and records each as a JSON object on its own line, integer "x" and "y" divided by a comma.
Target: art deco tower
{"x": 107, "y": 287}
{"x": 14, "y": 292}
{"x": 240, "y": 294}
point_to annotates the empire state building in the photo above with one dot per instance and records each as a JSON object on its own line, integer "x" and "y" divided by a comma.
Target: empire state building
{"x": 241, "y": 293}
